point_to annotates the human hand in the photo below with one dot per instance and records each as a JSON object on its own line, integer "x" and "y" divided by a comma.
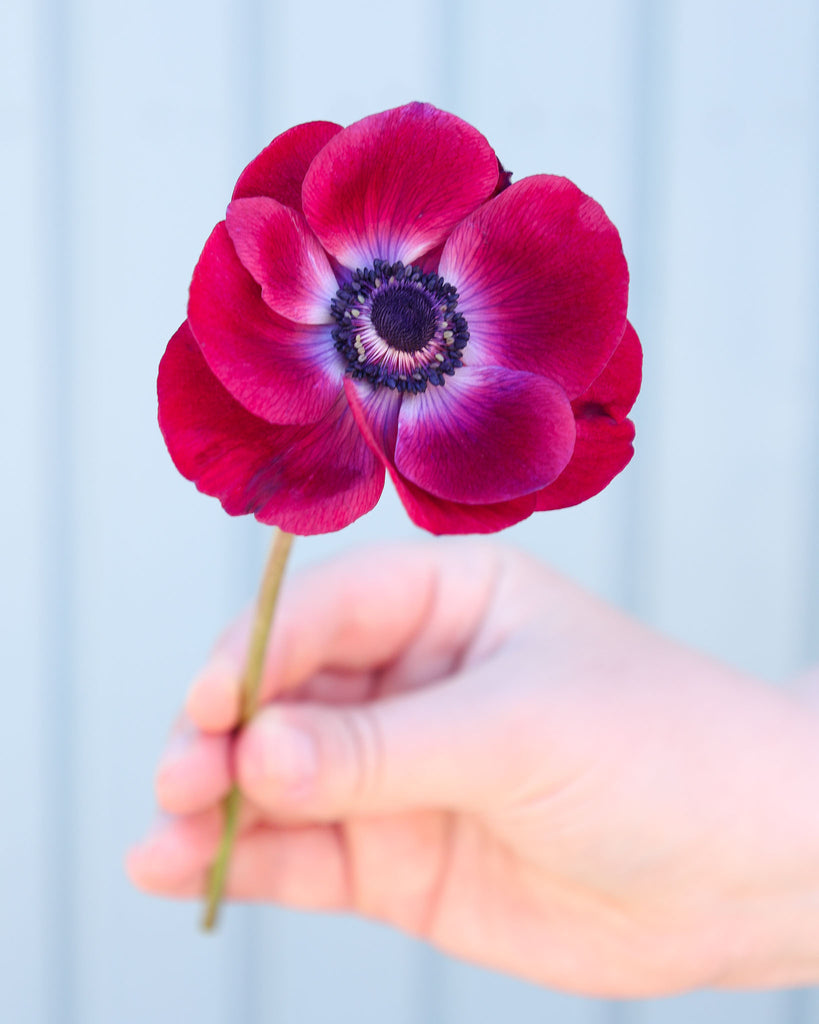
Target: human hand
{"x": 460, "y": 743}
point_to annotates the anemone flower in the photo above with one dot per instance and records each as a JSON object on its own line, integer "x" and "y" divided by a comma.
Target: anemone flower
{"x": 380, "y": 298}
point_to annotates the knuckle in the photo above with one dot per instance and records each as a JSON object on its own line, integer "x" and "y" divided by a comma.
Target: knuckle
{"x": 366, "y": 753}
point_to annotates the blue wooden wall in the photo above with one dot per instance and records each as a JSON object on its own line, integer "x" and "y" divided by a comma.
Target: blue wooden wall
{"x": 122, "y": 129}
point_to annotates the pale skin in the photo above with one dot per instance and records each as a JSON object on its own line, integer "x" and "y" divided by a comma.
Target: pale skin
{"x": 461, "y": 743}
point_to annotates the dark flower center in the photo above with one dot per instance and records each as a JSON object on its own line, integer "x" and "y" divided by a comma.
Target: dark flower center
{"x": 404, "y": 317}
{"x": 399, "y": 327}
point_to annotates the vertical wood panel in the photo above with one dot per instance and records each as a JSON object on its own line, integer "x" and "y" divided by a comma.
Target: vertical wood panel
{"x": 151, "y": 140}
{"x": 803, "y": 1005}
{"x": 737, "y": 267}
{"x": 57, "y": 581}
{"x": 650, "y": 28}
{"x": 24, "y": 458}
{"x": 731, "y": 495}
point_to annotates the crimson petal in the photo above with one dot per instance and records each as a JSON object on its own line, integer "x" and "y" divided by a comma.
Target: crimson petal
{"x": 278, "y": 171}
{"x": 279, "y": 370}
{"x": 393, "y": 185}
{"x": 306, "y": 479}
{"x": 615, "y": 390}
{"x": 376, "y": 413}
{"x": 283, "y": 255}
{"x": 542, "y": 281}
{"x": 604, "y": 436}
{"x": 488, "y": 435}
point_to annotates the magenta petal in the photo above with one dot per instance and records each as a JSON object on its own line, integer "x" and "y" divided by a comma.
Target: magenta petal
{"x": 615, "y": 390}
{"x": 542, "y": 280}
{"x": 278, "y": 171}
{"x": 376, "y": 414}
{"x": 395, "y": 184}
{"x": 428, "y": 263}
{"x": 488, "y": 435}
{"x": 603, "y": 449}
{"x": 283, "y": 255}
{"x": 279, "y": 370}
{"x": 308, "y": 479}
{"x": 449, "y": 517}
{"x": 604, "y": 436}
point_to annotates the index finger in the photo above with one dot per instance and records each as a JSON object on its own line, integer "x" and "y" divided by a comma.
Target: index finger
{"x": 409, "y": 606}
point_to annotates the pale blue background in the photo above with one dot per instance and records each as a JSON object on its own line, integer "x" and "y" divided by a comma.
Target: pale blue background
{"x": 124, "y": 126}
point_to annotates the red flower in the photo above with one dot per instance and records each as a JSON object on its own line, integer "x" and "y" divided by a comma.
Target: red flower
{"x": 379, "y": 298}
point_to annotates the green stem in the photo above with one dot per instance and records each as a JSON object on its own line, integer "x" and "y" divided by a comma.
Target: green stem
{"x": 248, "y": 701}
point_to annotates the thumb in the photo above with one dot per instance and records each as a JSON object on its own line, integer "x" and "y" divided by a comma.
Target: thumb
{"x": 434, "y": 747}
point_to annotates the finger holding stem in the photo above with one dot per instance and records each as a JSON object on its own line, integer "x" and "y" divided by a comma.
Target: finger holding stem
{"x": 249, "y": 697}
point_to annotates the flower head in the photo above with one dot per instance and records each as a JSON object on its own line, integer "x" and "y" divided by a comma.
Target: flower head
{"x": 380, "y": 298}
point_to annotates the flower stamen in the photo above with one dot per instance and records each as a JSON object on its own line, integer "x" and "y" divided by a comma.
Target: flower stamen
{"x": 399, "y": 327}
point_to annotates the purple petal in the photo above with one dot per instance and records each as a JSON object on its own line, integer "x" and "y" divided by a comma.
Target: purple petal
{"x": 542, "y": 280}
{"x": 376, "y": 414}
{"x": 603, "y": 450}
{"x": 488, "y": 435}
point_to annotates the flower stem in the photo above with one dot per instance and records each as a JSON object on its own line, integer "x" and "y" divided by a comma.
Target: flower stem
{"x": 248, "y": 700}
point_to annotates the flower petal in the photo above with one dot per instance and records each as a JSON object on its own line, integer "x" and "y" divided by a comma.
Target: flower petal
{"x": 395, "y": 184}
{"x": 604, "y": 436}
{"x": 376, "y": 413}
{"x": 542, "y": 280}
{"x": 278, "y": 171}
{"x": 603, "y": 449}
{"x": 450, "y": 517}
{"x": 279, "y": 370}
{"x": 488, "y": 435}
{"x": 615, "y": 390}
{"x": 283, "y": 255}
{"x": 306, "y": 479}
